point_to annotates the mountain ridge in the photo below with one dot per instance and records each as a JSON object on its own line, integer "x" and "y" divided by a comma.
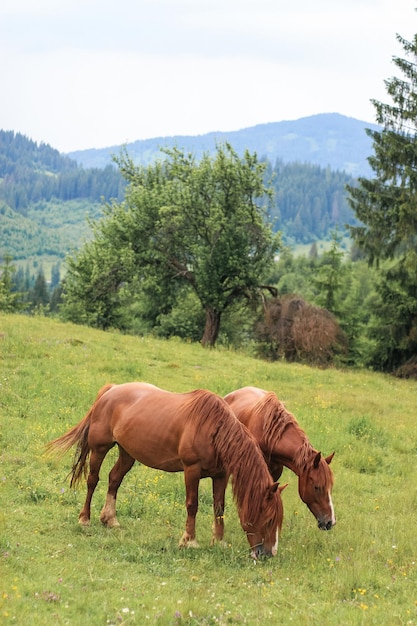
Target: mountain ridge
{"x": 326, "y": 139}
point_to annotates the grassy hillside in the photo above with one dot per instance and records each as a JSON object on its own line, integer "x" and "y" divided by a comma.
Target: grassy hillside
{"x": 364, "y": 571}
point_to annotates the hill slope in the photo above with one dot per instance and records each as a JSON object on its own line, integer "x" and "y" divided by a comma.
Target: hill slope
{"x": 362, "y": 572}
{"x": 329, "y": 140}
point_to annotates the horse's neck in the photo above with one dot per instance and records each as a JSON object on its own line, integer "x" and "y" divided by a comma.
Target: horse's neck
{"x": 290, "y": 449}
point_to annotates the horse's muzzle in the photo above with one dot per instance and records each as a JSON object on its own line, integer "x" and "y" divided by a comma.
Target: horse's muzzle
{"x": 325, "y": 525}
{"x": 259, "y": 552}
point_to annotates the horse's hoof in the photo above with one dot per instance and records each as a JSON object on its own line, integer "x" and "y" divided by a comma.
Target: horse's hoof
{"x": 216, "y": 541}
{"x": 188, "y": 543}
{"x": 84, "y": 521}
{"x": 110, "y": 523}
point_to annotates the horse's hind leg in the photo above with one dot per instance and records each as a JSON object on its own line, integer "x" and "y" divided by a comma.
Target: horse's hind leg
{"x": 96, "y": 460}
{"x": 123, "y": 464}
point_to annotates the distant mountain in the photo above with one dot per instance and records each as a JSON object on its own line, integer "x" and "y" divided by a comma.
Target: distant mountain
{"x": 328, "y": 140}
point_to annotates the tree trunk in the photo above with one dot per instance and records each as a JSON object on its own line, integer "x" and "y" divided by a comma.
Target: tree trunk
{"x": 212, "y": 327}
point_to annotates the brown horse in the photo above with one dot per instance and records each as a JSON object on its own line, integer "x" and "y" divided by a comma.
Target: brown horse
{"x": 283, "y": 442}
{"x": 195, "y": 432}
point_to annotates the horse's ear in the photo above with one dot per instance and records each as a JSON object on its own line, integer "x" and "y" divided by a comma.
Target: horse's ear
{"x": 277, "y": 487}
{"x": 328, "y": 459}
{"x": 317, "y": 460}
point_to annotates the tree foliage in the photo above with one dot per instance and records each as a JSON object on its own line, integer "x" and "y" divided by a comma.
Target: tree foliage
{"x": 199, "y": 224}
{"x": 386, "y": 208}
{"x": 25, "y": 292}
{"x": 9, "y": 300}
{"x": 328, "y": 279}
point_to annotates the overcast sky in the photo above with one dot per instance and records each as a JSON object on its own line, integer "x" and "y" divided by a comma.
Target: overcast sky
{"x": 96, "y": 73}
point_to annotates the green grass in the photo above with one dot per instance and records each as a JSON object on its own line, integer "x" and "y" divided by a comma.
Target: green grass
{"x": 54, "y": 572}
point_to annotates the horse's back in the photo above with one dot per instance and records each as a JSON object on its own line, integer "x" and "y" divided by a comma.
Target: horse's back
{"x": 121, "y": 397}
{"x": 153, "y": 425}
{"x": 244, "y": 398}
{"x": 242, "y": 402}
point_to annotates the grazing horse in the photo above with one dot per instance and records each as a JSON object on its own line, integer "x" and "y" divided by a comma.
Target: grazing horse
{"x": 195, "y": 432}
{"x": 283, "y": 442}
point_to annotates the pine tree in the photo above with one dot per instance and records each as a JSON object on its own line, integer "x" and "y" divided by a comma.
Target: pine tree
{"x": 387, "y": 207}
{"x": 39, "y": 296}
{"x": 55, "y": 276}
{"x": 9, "y": 300}
{"x": 329, "y": 275}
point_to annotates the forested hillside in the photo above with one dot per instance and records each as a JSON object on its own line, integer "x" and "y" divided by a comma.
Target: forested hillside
{"x": 310, "y": 202}
{"x": 46, "y": 198}
{"x": 30, "y": 173}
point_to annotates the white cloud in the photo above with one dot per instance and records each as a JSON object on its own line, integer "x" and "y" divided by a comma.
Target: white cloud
{"x": 84, "y": 73}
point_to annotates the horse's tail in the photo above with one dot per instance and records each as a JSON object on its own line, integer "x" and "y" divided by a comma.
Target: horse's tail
{"x": 77, "y": 435}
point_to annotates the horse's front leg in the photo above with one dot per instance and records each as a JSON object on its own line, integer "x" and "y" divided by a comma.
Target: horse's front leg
{"x": 123, "y": 464}
{"x": 192, "y": 475}
{"x": 219, "y": 489}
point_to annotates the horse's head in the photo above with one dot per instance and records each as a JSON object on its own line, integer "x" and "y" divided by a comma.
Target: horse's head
{"x": 315, "y": 485}
{"x": 264, "y": 532}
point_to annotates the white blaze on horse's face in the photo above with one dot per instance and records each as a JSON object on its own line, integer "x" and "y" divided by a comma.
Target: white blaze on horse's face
{"x": 332, "y": 507}
{"x": 315, "y": 489}
{"x": 323, "y": 510}
{"x": 263, "y": 539}
{"x": 324, "y": 514}
{"x": 275, "y": 546}
{"x": 259, "y": 550}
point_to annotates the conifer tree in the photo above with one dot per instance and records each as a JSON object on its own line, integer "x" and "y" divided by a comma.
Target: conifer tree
{"x": 386, "y": 206}
{"x": 39, "y": 296}
{"x": 9, "y": 300}
{"x": 329, "y": 275}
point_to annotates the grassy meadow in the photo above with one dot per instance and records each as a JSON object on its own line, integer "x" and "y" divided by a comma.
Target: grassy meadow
{"x": 53, "y": 571}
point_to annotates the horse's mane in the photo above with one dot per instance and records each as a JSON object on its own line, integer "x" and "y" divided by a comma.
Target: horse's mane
{"x": 276, "y": 420}
{"x": 240, "y": 455}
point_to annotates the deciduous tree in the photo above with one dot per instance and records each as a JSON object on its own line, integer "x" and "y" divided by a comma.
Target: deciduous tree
{"x": 203, "y": 224}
